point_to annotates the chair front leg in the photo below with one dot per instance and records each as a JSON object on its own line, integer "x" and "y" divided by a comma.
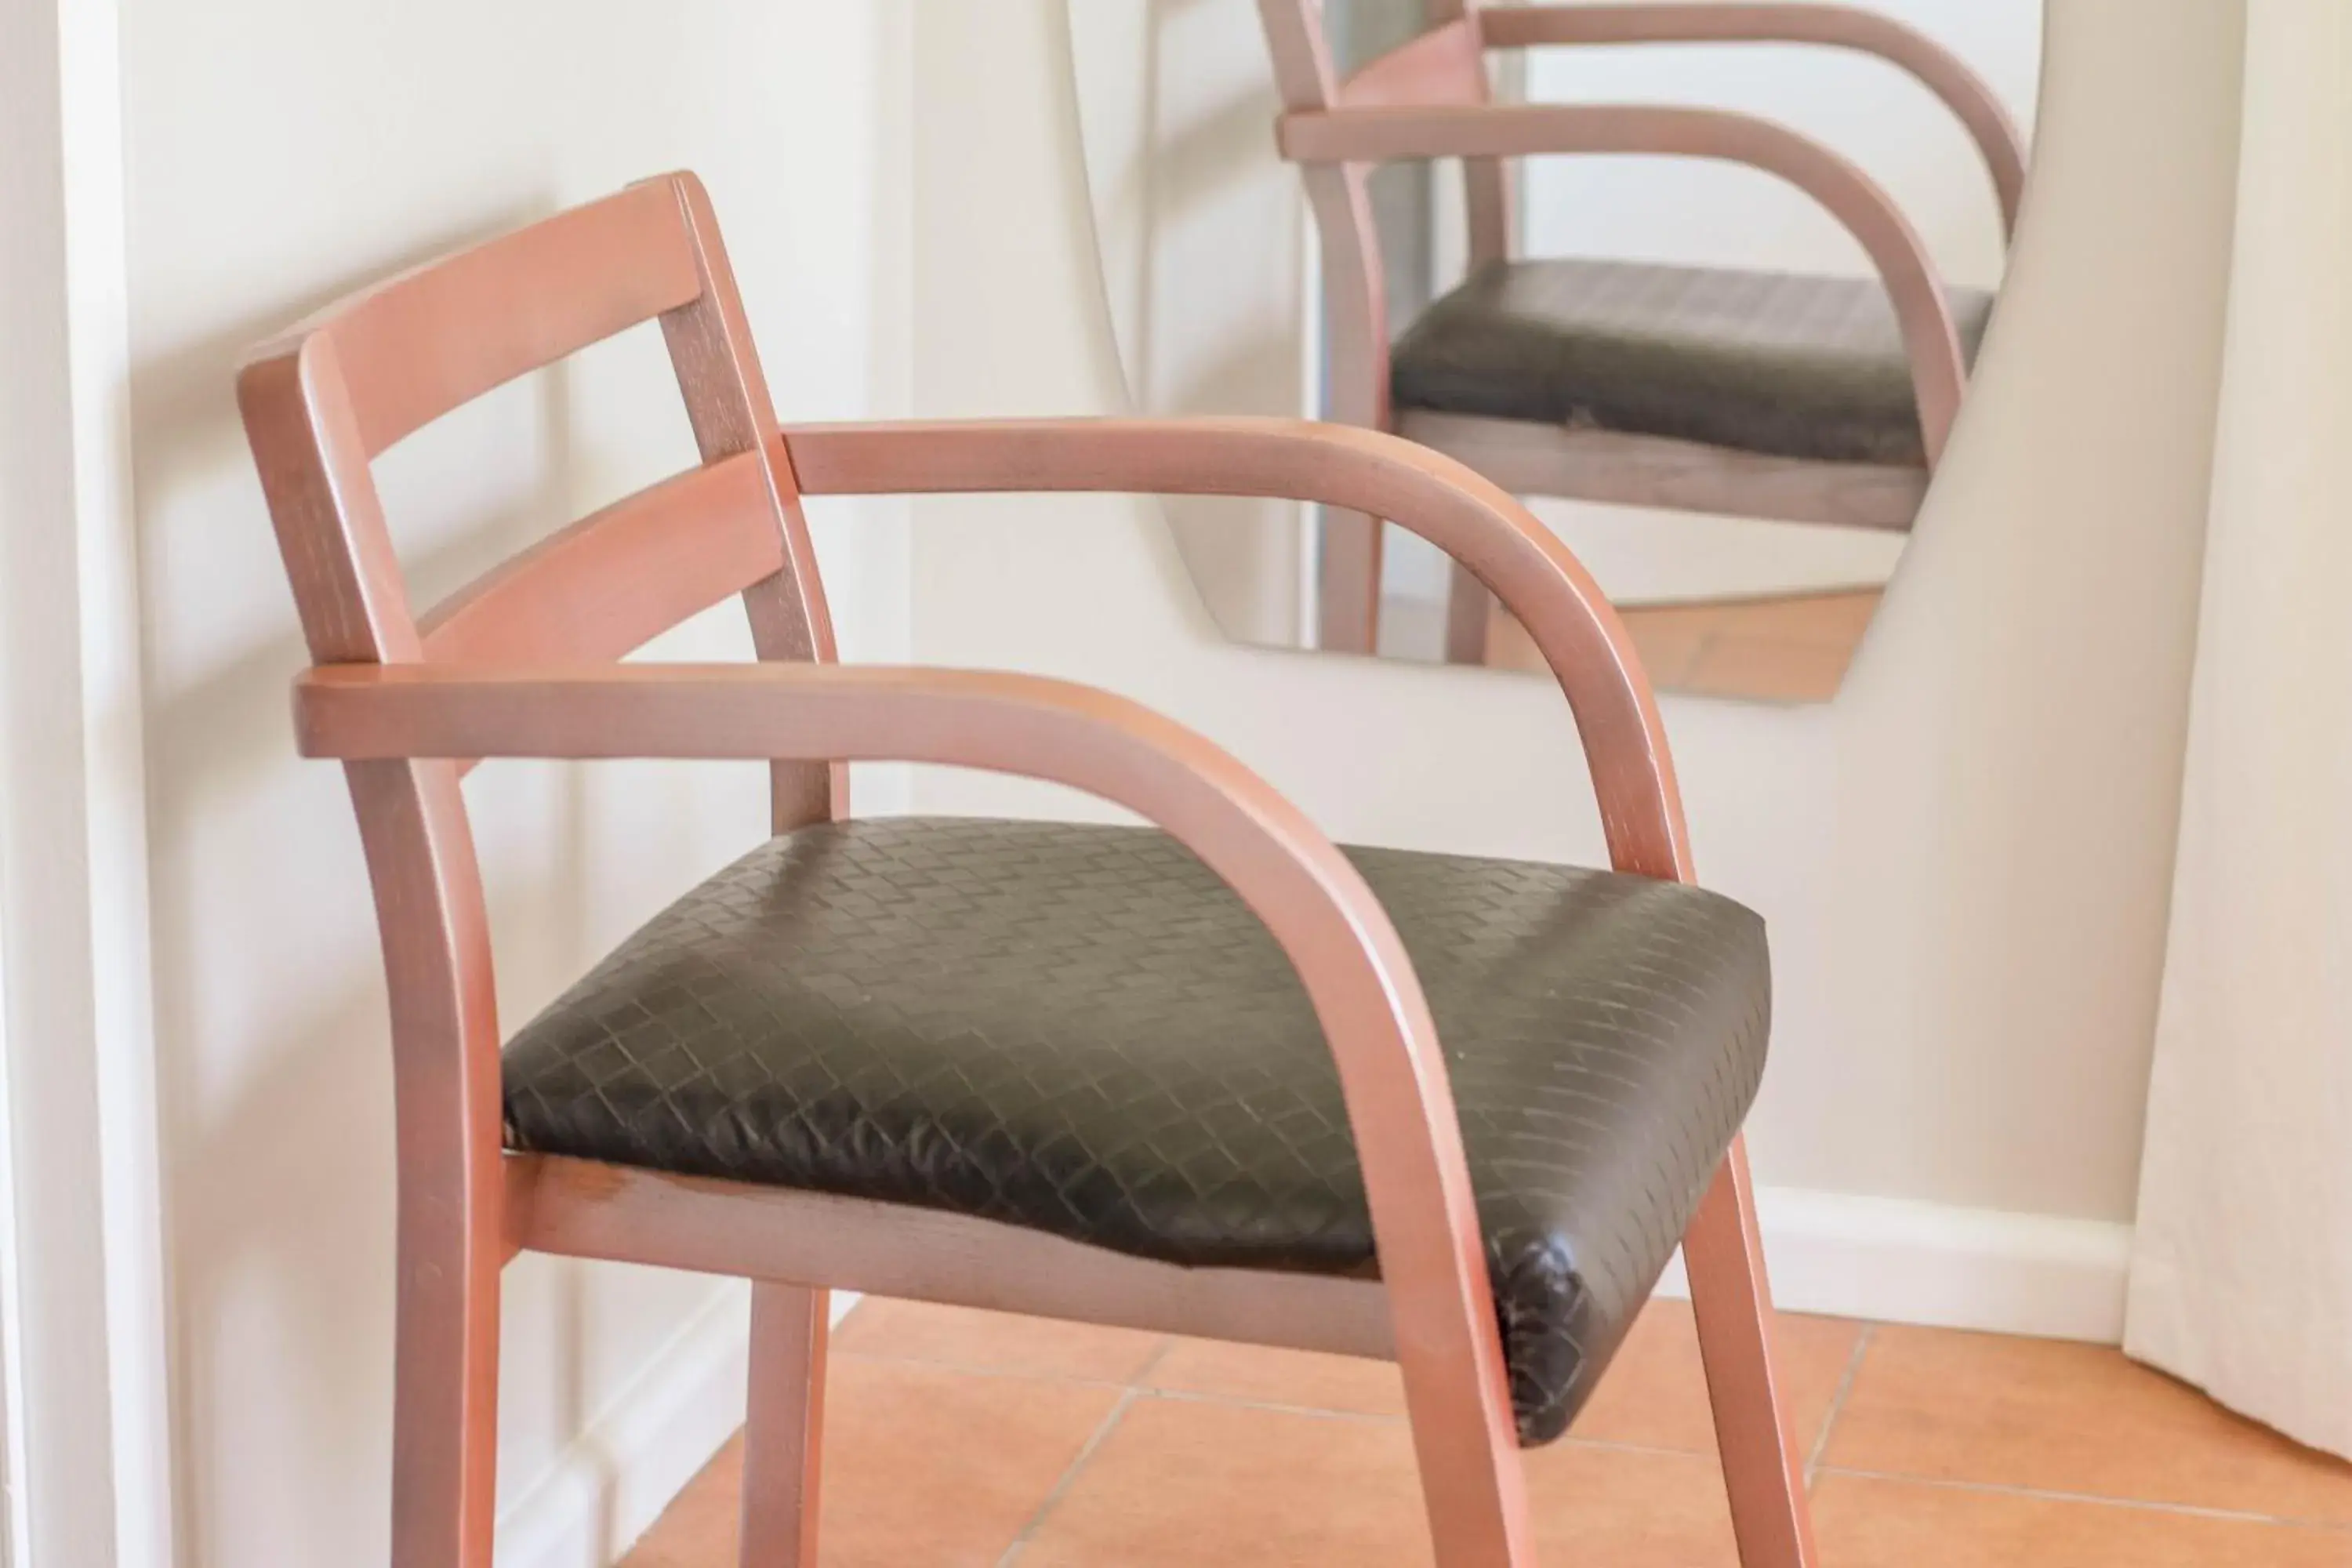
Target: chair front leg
{"x": 1763, "y": 1468}
{"x": 1473, "y": 1486}
{"x": 784, "y": 1424}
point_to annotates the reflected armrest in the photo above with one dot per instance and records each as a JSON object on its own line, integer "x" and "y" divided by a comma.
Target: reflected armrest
{"x": 1311, "y": 899}
{"x": 1930, "y": 339}
{"x": 1523, "y": 562}
{"x": 1945, "y": 74}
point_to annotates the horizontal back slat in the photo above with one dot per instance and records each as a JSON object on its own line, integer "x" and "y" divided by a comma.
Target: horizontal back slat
{"x": 612, "y": 581}
{"x": 323, "y": 398}
{"x": 425, "y": 343}
{"x": 1445, "y": 65}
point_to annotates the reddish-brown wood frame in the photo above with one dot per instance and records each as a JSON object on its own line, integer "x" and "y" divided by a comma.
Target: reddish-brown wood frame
{"x": 521, "y": 664}
{"x": 1430, "y": 99}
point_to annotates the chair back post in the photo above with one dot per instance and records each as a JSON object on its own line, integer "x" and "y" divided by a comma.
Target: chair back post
{"x": 725, "y": 393}
{"x": 1445, "y": 64}
{"x": 1355, "y": 286}
{"x": 433, "y": 928}
{"x": 325, "y": 398}
{"x": 1355, "y": 323}
{"x": 1485, "y": 182}
{"x": 320, "y": 402}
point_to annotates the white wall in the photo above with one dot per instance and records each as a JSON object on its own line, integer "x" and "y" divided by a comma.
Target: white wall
{"x": 1204, "y": 239}
{"x": 1700, "y": 214}
{"x": 1204, "y": 235}
{"x": 1964, "y": 858}
{"x": 1717, "y": 215}
{"x": 85, "y": 1433}
{"x": 280, "y": 151}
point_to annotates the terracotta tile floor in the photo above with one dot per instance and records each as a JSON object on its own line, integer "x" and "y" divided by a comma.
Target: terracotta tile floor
{"x": 960, "y": 1437}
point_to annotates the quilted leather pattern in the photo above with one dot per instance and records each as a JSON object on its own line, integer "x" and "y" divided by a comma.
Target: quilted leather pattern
{"x": 1778, "y": 363}
{"x": 1081, "y": 1030}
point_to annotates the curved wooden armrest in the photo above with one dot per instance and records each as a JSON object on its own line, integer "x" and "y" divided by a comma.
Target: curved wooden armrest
{"x": 1945, "y": 74}
{"x": 1938, "y": 370}
{"x": 1468, "y": 517}
{"x": 1329, "y": 924}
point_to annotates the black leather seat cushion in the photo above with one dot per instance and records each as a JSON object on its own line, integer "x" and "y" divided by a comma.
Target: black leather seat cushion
{"x": 1768, "y": 363}
{"x": 1081, "y": 1030}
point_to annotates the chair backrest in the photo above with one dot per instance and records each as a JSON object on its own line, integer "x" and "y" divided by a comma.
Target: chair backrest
{"x": 326, "y": 397}
{"x": 1444, "y": 64}
{"x": 322, "y": 400}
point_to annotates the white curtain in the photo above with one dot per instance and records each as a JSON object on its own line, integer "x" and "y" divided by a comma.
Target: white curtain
{"x": 2241, "y": 1281}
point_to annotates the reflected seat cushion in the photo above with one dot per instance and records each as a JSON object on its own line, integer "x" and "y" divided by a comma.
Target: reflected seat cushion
{"x": 1081, "y": 1030}
{"x": 1778, "y": 363}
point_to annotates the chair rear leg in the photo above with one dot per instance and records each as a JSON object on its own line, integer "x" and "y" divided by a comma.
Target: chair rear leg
{"x": 1763, "y": 1469}
{"x": 783, "y": 1428}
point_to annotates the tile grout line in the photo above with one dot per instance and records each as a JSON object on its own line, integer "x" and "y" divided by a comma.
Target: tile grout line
{"x": 1182, "y": 1396}
{"x": 1373, "y": 1418}
{"x": 1136, "y": 1387}
{"x": 974, "y": 1369}
{"x": 1837, "y": 1402}
{"x": 1570, "y": 1440}
{"x": 2045, "y": 1494}
{"x": 1166, "y": 1348}
{"x": 1069, "y": 1478}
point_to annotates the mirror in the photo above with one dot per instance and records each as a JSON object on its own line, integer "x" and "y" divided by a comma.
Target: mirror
{"x": 1713, "y": 329}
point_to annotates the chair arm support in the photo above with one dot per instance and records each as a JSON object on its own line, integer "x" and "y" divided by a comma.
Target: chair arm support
{"x": 1938, "y": 372}
{"x": 1945, "y": 74}
{"x": 1311, "y": 898}
{"x": 1472, "y": 520}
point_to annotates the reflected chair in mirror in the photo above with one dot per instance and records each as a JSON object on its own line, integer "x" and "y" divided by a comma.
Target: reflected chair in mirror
{"x": 1762, "y": 395}
{"x": 1214, "y": 1076}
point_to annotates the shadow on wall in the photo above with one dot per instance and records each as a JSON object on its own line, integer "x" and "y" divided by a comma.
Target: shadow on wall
{"x": 274, "y": 1067}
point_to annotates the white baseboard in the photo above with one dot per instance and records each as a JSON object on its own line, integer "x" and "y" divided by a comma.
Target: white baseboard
{"x": 1902, "y": 1262}
{"x": 614, "y": 1481}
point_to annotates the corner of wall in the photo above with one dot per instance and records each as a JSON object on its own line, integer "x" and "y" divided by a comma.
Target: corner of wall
{"x": 613, "y": 1481}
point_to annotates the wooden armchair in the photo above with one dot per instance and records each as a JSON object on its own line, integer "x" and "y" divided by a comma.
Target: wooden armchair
{"x": 1772, "y": 396}
{"x": 1186, "y": 1077}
